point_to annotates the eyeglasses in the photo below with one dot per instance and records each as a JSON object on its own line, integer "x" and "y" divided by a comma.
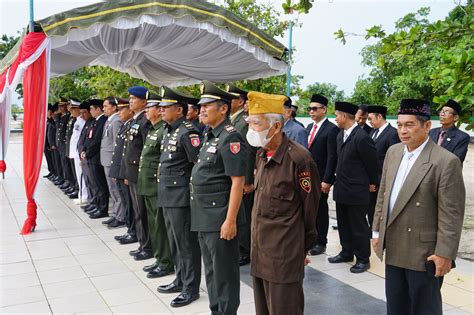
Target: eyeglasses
{"x": 445, "y": 112}
{"x": 314, "y": 108}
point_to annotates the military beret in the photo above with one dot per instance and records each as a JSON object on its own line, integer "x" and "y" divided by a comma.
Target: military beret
{"x": 318, "y": 98}
{"x": 262, "y": 103}
{"x": 85, "y": 105}
{"x": 414, "y": 107}
{"x": 454, "y": 105}
{"x": 152, "y": 99}
{"x": 211, "y": 93}
{"x": 346, "y": 107}
{"x": 377, "y": 109}
{"x": 232, "y": 89}
{"x": 138, "y": 91}
{"x": 170, "y": 97}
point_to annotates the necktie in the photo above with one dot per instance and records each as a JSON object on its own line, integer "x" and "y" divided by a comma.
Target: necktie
{"x": 441, "y": 137}
{"x": 345, "y": 136}
{"x": 376, "y": 133}
{"x": 311, "y": 137}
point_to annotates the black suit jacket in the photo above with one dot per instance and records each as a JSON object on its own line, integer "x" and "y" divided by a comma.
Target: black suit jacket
{"x": 50, "y": 133}
{"x": 84, "y": 133}
{"x": 355, "y": 168}
{"x": 455, "y": 141}
{"x": 116, "y": 169}
{"x": 367, "y": 128}
{"x": 323, "y": 149}
{"x": 384, "y": 140}
{"x": 93, "y": 139}
{"x": 136, "y": 136}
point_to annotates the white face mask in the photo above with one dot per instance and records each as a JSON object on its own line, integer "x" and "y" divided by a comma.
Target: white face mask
{"x": 258, "y": 138}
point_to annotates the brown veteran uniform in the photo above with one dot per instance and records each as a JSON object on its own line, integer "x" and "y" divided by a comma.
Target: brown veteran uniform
{"x": 287, "y": 191}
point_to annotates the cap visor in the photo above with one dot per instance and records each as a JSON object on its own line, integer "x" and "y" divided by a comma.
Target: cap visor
{"x": 152, "y": 104}
{"x": 166, "y": 103}
{"x": 206, "y": 100}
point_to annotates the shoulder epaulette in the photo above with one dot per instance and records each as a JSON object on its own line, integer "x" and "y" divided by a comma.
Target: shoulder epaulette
{"x": 230, "y": 129}
{"x": 188, "y": 125}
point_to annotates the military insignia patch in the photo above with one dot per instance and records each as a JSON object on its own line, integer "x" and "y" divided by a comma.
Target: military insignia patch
{"x": 195, "y": 142}
{"x": 235, "y": 147}
{"x": 305, "y": 183}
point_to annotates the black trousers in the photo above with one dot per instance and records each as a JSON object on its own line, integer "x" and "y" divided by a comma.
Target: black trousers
{"x": 322, "y": 220}
{"x": 126, "y": 200}
{"x": 87, "y": 179}
{"x": 75, "y": 183}
{"x": 49, "y": 159}
{"x": 66, "y": 166}
{"x": 354, "y": 233}
{"x": 140, "y": 218}
{"x": 244, "y": 230}
{"x": 221, "y": 265}
{"x": 412, "y": 292}
{"x": 99, "y": 187}
{"x": 57, "y": 163}
{"x": 184, "y": 246}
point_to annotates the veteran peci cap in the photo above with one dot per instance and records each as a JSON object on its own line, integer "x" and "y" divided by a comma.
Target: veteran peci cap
{"x": 262, "y": 103}
{"x": 138, "y": 91}
{"x": 414, "y": 107}
{"x": 318, "y": 98}
{"x": 211, "y": 93}
{"x": 152, "y": 99}
{"x": 232, "y": 89}
{"x": 377, "y": 109}
{"x": 346, "y": 107}
{"x": 454, "y": 105}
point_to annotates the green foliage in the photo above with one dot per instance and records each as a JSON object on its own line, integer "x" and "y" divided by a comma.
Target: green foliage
{"x": 303, "y": 6}
{"x": 7, "y": 43}
{"x": 327, "y": 89}
{"x": 432, "y": 61}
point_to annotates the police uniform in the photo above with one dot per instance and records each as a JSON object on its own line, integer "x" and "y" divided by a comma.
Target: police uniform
{"x": 61, "y": 143}
{"x": 133, "y": 149}
{"x": 73, "y": 182}
{"x": 147, "y": 186}
{"x": 287, "y": 190}
{"x": 117, "y": 171}
{"x": 179, "y": 152}
{"x": 50, "y": 143}
{"x": 222, "y": 155}
{"x": 239, "y": 121}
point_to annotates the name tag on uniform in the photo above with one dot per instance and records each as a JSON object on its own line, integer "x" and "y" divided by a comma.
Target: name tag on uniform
{"x": 173, "y": 142}
{"x": 153, "y": 137}
{"x": 212, "y": 149}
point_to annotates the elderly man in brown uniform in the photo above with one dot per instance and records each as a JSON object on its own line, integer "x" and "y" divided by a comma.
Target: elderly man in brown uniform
{"x": 287, "y": 191}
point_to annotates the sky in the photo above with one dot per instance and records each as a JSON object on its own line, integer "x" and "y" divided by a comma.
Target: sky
{"x": 319, "y": 56}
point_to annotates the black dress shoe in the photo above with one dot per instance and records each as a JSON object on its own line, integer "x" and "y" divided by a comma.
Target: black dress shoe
{"x": 128, "y": 240}
{"x": 84, "y": 207}
{"x": 244, "y": 260}
{"x": 91, "y": 210}
{"x": 184, "y": 299}
{"x": 134, "y": 252}
{"x": 48, "y": 175}
{"x": 169, "y": 288}
{"x": 64, "y": 186}
{"x": 69, "y": 190}
{"x": 89, "y": 207}
{"x": 158, "y": 273}
{"x": 73, "y": 195}
{"x": 340, "y": 258}
{"x": 149, "y": 268}
{"x": 110, "y": 220}
{"x": 143, "y": 256}
{"x": 317, "y": 250}
{"x": 115, "y": 224}
{"x": 119, "y": 237}
{"x": 98, "y": 214}
{"x": 59, "y": 182}
{"x": 360, "y": 267}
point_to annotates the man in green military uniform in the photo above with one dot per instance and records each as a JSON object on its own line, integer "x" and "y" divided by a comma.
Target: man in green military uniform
{"x": 217, "y": 185}
{"x": 179, "y": 151}
{"x": 146, "y": 186}
{"x": 238, "y": 118}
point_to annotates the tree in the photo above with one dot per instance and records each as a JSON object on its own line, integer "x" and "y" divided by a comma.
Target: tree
{"x": 433, "y": 61}
{"x": 327, "y": 89}
{"x": 7, "y": 43}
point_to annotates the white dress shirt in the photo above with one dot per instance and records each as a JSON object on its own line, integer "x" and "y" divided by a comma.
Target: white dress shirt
{"x": 316, "y": 125}
{"x": 76, "y": 133}
{"x": 380, "y": 130}
{"x": 347, "y": 132}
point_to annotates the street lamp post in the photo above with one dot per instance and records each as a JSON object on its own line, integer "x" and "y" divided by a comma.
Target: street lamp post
{"x": 290, "y": 49}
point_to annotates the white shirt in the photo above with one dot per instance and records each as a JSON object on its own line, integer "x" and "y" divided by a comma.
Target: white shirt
{"x": 347, "y": 132}
{"x": 381, "y": 129}
{"x": 76, "y": 133}
{"x": 408, "y": 160}
{"x": 318, "y": 124}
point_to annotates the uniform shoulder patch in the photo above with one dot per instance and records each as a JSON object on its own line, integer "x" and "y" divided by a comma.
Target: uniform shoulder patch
{"x": 234, "y": 147}
{"x": 195, "y": 141}
{"x": 304, "y": 179}
{"x": 230, "y": 128}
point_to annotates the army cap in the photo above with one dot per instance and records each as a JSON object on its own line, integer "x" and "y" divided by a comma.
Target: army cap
{"x": 211, "y": 93}
{"x": 63, "y": 101}
{"x": 262, "y": 103}
{"x": 122, "y": 102}
{"x": 232, "y": 89}
{"x": 152, "y": 99}
{"x": 171, "y": 97}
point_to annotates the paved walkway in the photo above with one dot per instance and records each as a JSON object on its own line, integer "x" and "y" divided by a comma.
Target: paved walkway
{"x": 71, "y": 264}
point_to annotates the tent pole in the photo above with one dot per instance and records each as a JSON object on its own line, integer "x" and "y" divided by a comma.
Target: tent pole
{"x": 288, "y": 74}
{"x": 32, "y": 23}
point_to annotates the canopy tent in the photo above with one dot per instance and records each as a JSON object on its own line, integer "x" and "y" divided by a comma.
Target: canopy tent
{"x": 171, "y": 42}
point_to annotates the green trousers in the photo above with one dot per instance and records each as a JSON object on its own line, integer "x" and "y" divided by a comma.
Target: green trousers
{"x": 158, "y": 236}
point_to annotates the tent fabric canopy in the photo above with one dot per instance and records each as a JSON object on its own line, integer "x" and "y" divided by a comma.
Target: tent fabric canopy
{"x": 172, "y": 42}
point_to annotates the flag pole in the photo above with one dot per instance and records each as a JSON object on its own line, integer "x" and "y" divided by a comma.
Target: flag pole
{"x": 32, "y": 23}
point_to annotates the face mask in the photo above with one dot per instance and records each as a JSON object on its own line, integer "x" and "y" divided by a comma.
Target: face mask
{"x": 258, "y": 138}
